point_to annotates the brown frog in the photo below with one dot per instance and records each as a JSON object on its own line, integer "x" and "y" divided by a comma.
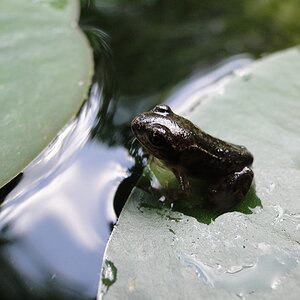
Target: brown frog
{"x": 190, "y": 152}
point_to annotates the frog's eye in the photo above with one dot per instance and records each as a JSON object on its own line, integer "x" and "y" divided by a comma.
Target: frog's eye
{"x": 162, "y": 109}
{"x": 157, "y": 139}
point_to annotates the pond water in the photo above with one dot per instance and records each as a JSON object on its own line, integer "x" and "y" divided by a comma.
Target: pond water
{"x": 57, "y": 220}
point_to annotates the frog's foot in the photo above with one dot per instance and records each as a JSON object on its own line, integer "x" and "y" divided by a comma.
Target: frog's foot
{"x": 230, "y": 190}
{"x": 173, "y": 195}
{"x": 168, "y": 196}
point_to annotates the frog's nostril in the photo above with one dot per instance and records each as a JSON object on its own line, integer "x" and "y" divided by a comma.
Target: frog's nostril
{"x": 135, "y": 124}
{"x": 135, "y": 120}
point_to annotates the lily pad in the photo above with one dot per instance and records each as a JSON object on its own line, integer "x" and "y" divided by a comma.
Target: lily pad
{"x": 160, "y": 253}
{"x": 46, "y": 68}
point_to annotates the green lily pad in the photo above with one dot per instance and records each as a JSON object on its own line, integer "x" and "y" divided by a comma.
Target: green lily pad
{"x": 160, "y": 253}
{"x": 46, "y": 68}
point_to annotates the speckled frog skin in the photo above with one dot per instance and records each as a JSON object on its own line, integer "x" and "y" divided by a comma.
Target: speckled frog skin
{"x": 190, "y": 152}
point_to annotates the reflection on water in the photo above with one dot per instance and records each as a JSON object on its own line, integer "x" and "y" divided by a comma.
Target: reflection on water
{"x": 60, "y": 215}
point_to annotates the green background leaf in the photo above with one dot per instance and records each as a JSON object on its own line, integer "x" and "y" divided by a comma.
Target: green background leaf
{"x": 46, "y": 68}
{"x": 160, "y": 253}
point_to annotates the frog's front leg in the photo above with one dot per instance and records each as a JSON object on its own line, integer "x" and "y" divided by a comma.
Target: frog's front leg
{"x": 174, "y": 194}
{"x": 185, "y": 185}
{"x": 230, "y": 190}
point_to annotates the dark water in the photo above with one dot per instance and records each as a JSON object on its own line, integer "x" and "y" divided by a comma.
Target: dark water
{"x": 56, "y": 221}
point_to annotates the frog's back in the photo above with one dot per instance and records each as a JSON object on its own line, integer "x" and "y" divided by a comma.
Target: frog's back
{"x": 207, "y": 157}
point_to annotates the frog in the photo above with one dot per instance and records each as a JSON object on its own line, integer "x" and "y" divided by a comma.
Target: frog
{"x": 189, "y": 152}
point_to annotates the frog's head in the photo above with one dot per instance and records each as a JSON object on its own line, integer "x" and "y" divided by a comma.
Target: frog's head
{"x": 161, "y": 132}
